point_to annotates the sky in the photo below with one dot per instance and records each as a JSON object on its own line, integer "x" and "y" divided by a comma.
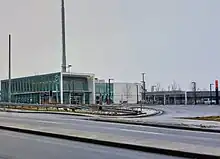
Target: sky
{"x": 169, "y": 40}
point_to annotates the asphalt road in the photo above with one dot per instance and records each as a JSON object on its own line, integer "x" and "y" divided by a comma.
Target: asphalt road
{"x": 22, "y": 146}
{"x": 186, "y": 111}
{"x": 140, "y": 132}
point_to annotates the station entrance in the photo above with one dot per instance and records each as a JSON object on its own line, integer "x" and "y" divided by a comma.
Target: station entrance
{"x": 76, "y": 98}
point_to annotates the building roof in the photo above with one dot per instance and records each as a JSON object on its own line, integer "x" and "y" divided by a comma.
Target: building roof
{"x": 43, "y": 74}
{"x": 65, "y": 74}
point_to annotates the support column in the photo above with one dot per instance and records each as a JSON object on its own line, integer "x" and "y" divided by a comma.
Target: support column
{"x": 39, "y": 98}
{"x": 57, "y": 100}
{"x": 83, "y": 98}
{"x": 91, "y": 87}
{"x": 164, "y": 99}
{"x": 186, "y": 98}
{"x": 174, "y": 99}
{"x": 61, "y": 88}
{"x": 69, "y": 97}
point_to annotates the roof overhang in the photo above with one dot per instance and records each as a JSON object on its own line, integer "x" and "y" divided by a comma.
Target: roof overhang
{"x": 73, "y": 74}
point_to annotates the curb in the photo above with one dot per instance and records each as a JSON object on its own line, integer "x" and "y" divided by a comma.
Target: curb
{"x": 86, "y": 115}
{"x": 158, "y": 125}
{"x": 46, "y": 113}
{"x": 158, "y": 112}
{"x": 114, "y": 144}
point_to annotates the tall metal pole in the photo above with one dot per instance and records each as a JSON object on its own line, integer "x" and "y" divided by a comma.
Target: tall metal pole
{"x": 9, "y": 68}
{"x": 210, "y": 93}
{"x": 144, "y": 87}
{"x": 63, "y": 36}
{"x": 194, "y": 90}
{"x": 216, "y": 92}
{"x": 106, "y": 93}
{"x": 137, "y": 94}
{"x": 109, "y": 91}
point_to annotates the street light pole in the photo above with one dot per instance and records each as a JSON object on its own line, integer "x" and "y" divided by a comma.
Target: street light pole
{"x": 194, "y": 90}
{"x": 216, "y": 92}
{"x": 56, "y": 84}
{"x": 69, "y": 68}
{"x": 109, "y": 90}
{"x": 211, "y": 92}
{"x": 9, "y": 68}
{"x": 137, "y": 93}
{"x": 63, "y": 36}
{"x": 144, "y": 87}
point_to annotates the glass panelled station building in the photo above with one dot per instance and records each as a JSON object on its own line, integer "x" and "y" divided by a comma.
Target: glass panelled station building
{"x": 64, "y": 88}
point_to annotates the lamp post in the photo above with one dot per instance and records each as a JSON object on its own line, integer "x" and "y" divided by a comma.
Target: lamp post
{"x": 216, "y": 92}
{"x": 194, "y": 91}
{"x": 109, "y": 89}
{"x": 56, "y": 83}
{"x": 210, "y": 86}
{"x": 9, "y": 68}
{"x": 143, "y": 87}
{"x": 137, "y": 89}
{"x": 63, "y": 25}
{"x": 69, "y": 67}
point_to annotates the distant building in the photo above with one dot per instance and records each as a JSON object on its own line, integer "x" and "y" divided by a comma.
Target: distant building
{"x": 127, "y": 92}
{"x": 119, "y": 92}
{"x": 67, "y": 88}
{"x": 179, "y": 97}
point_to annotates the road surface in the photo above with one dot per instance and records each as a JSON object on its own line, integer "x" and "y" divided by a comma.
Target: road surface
{"x": 68, "y": 123}
{"x": 22, "y": 146}
{"x": 172, "y": 111}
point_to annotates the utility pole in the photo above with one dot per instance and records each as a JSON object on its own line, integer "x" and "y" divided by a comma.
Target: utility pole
{"x": 63, "y": 36}
{"x": 194, "y": 91}
{"x": 109, "y": 90}
{"x": 143, "y": 87}
{"x": 216, "y": 92}
{"x": 9, "y": 68}
{"x": 143, "y": 90}
{"x": 210, "y": 86}
{"x": 137, "y": 93}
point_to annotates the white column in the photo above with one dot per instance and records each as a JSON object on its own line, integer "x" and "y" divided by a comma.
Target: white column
{"x": 175, "y": 99}
{"x": 185, "y": 98}
{"x": 57, "y": 100}
{"x": 84, "y": 99}
{"x": 164, "y": 99}
{"x": 69, "y": 97}
{"x": 91, "y": 86}
{"x": 39, "y": 98}
{"x": 61, "y": 88}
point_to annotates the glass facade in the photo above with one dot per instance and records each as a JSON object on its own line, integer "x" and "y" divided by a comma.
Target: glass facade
{"x": 76, "y": 90}
{"x": 102, "y": 92}
{"x": 46, "y": 89}
{"x": 30, "y": 89}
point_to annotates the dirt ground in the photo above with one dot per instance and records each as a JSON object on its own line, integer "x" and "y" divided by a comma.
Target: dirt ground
{"x": 209, "y": 118}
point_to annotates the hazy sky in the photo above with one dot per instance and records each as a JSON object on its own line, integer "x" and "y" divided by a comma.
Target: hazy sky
{"x": 168, "y": 39}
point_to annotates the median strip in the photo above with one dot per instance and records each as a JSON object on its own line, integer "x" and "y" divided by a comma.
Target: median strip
{"x": 85, "y": 114}
{"x": 153, "y": 146}
{"x": 207, "y": 118}
{"x": 155, "y": 124}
